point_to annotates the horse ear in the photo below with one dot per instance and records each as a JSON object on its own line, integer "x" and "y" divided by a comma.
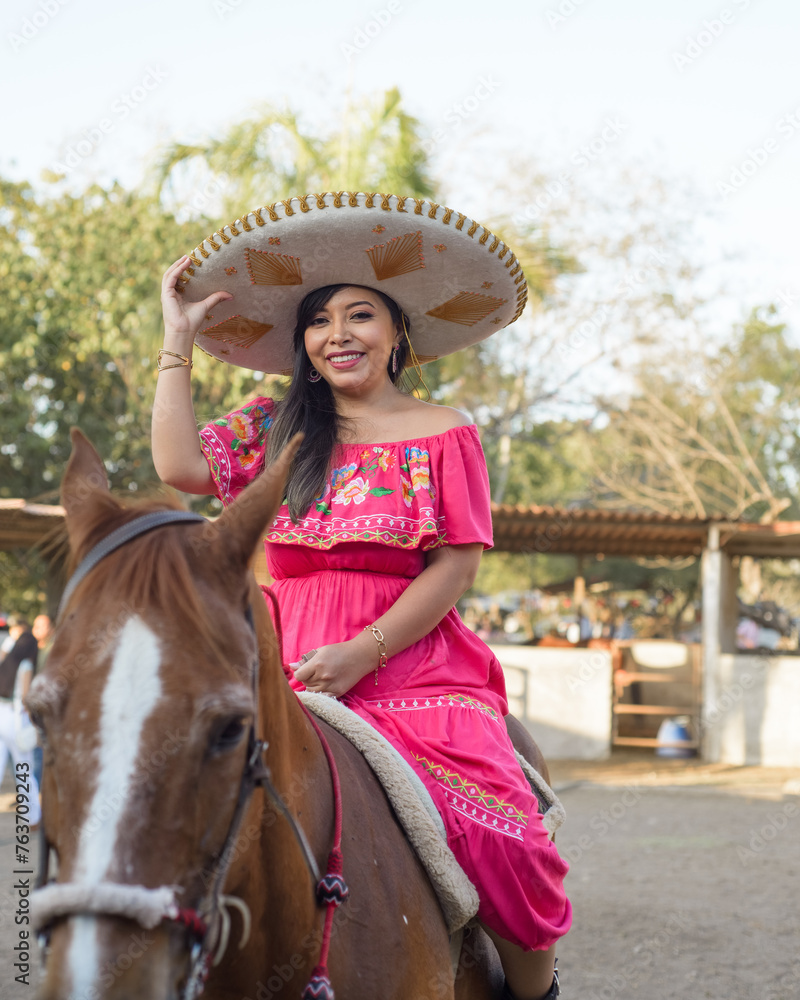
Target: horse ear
{"x": 240, "y": 526}
{"x": 84, "y": 476}
{"x": 83, "y": 484}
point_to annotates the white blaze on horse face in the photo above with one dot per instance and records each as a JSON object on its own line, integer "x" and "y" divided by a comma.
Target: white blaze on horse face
{"x": 132, "y": 690}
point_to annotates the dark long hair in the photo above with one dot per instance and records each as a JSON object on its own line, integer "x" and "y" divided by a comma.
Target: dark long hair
{"x": 310, "y": 407}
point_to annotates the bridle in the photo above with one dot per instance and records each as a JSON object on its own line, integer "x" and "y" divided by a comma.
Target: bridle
{"x": 209, "y": 922}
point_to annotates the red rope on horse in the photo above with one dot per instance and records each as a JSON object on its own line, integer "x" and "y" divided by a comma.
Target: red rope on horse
{"x": 276, "y": 619}
{"x": 192, "y": 920}
{"x": 332, "y": 890}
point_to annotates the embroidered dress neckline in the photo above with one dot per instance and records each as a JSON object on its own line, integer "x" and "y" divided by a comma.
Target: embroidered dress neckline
{"x": 408, "y": 440}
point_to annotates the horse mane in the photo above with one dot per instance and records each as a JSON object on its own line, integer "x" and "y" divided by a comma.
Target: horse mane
{"x": 153, "y": 572}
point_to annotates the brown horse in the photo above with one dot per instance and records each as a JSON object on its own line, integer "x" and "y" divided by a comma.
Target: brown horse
{"x": 157, "y": 678}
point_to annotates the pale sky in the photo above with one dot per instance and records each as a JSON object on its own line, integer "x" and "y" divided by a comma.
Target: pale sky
{"x": 706, "y": 90}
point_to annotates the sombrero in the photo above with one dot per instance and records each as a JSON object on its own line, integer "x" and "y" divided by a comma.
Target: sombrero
{"x": 457, "y": 282}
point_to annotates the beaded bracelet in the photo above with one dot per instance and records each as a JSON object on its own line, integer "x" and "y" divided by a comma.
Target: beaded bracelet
{"x": 182, "y": 362}
{"x": 382, "y": 658}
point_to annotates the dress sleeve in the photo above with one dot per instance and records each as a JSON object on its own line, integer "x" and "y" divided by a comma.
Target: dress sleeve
{"x": 235, "y": 446}
{"x": 462, "y": 481}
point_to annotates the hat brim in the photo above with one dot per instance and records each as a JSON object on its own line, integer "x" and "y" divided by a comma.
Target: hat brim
{"x": 456, "y": 281}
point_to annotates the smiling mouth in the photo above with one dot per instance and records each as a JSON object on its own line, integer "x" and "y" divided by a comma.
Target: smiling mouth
{"x": 338, "y": 359}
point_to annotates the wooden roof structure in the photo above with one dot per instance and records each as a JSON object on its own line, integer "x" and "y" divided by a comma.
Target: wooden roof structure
{"x": 546, "y": 530}
{"x": 23, "y": 524}
{"x": 583, "y": 532}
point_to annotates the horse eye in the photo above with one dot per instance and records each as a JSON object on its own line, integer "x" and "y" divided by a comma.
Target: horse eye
{"x": 228, "y": 737}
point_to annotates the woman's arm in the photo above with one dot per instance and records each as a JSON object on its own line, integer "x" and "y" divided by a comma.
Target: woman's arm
{"x": 177, "y": 455}
{"x": 449, "y": 572}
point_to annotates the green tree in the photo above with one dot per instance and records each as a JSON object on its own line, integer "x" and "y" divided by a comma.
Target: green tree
{"x": 376, "y": 146}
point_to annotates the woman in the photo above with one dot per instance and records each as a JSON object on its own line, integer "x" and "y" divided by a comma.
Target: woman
{"x": 387, "y": 508}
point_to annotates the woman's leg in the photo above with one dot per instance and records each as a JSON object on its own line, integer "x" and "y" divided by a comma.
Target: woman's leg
{"x": 529, "y": 974}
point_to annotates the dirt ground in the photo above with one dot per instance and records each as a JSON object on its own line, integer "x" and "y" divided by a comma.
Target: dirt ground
{"x": 685, "y": 881}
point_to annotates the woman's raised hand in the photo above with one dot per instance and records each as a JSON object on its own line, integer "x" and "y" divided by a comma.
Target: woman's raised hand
{"x": 180, "y": 317}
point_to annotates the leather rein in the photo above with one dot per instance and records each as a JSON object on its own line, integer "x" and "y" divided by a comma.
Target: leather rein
{"x": 208, "y": 924}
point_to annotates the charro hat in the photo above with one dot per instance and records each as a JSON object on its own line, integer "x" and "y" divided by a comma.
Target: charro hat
{"x": 456, "y": 281}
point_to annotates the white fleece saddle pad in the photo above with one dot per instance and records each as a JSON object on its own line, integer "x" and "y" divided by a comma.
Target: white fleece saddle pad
{"x": 415, "y": 809}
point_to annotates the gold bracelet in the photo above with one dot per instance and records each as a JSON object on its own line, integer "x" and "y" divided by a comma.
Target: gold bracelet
{"x": 182, "y": 362}
{"x": 382, "y": 658}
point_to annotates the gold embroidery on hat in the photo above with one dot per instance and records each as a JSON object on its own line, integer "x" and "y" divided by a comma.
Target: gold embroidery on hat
{"x": 399, "y": 256}
{"x": 222, "y": 236}
{"x": 369, "y": 196}
{"x": 239, "y": 331}
{"x": 461, "y": 221}
{"x": 466, "y": 308}
{"x": 233, "y": 229}
{"x": 303, "y": 203}
{"x": 385, "y": 202}
{"x": 418, "y": 203}
{"x": 510, "y": 260}
{"x": 259, "y": 220}
{"x": 194, "y": 259}
{"x": 211, "y": 243}
{"x": 446, "y": 217}
{"x": 272, "y": 213}
{"x": 337, "y": 199}
{"x": 494, "y": 245}
{"x": 352, "y": 199}
{"x": 503, "y": 252}
{"x": 287, "y": 204}
{"x": 203, "y": 250}
{"x": 472, "y": 229}
{"x": 268, "y": 268}
{"x": 401, "y": 204}
{"x": 485, "y": 237}
{"x": 432, "y": 210}
{"x": 321, "y": 200}
{"x": 245, "y": 224}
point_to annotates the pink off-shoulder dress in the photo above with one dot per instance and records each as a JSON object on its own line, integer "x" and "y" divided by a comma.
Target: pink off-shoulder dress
{"x": 441, "y": 702}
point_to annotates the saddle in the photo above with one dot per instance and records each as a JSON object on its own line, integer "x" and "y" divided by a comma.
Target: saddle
{"x": 415, "y": 810}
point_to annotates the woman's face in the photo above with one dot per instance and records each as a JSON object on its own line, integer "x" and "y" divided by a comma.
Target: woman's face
{"x": 350, "y": 339}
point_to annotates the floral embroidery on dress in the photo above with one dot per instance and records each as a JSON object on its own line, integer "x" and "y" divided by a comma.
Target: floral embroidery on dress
{"x": 355, "y": 490}
{"x": 417, "y": 465}
{"x": 249, "y": 427}
{"x": 340, "y": 476}
{"x": 348, "y": 507}
{"x": 385, "y": 458}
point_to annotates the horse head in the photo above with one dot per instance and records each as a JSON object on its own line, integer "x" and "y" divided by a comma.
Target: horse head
{"x": 146, "y": 707}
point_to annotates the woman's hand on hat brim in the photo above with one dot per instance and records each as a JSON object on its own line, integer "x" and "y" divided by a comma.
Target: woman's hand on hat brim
{"x": 183, "y": 318}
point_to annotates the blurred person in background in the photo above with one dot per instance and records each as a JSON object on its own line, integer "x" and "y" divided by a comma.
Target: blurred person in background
{"x": 17, "y": 735}
{"x": 43, "y": 634}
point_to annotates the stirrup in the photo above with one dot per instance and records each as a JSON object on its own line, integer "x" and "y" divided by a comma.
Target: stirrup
{"x": 551, "y": 994}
